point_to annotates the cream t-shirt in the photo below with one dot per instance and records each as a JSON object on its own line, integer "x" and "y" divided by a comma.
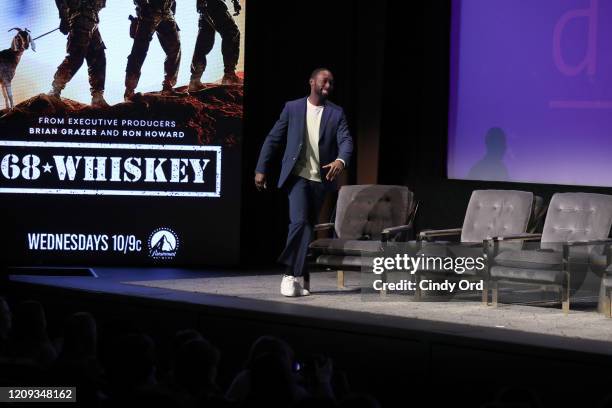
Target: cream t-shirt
{"x": 308, "y": 165}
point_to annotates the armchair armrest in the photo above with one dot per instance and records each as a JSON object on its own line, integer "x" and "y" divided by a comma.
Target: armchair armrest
{"x": 426, "y": 234}
{"x": 324, "y": 226}
{"x": 572, "y": 244}
{"x": 516, "y": 237}
{"x": 585, "y": 243}
{"x": 491, "y": 245}
{"x": 390, "y": 232}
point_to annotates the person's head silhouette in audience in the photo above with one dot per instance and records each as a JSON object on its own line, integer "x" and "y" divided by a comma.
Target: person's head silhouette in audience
{"x": 6, "y": 320}
{"x": 270, "y": 344}
{"x": 272, "y": 382}
{"x": 80, "y": 337}
{"x": 29, "y": 337}
{"x": 183, "y": 336}
{"x": 132, "y": 365}
{"x": 195, "y": 368}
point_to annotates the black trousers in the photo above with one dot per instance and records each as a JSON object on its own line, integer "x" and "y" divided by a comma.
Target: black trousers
{"x": 84, "y": 43}
{"x": 216, "y": 17}
{"x": 168, "y": 35}
{"x": 305, "y": 200}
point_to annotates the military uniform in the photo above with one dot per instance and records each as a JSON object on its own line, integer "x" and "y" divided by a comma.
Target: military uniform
{"x": 79, "y": 19}
{"x": 154, "y": 16}
{"x": 214, "y": 16}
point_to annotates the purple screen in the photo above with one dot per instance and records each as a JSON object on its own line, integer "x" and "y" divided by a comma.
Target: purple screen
{"x": 531, "y": 91}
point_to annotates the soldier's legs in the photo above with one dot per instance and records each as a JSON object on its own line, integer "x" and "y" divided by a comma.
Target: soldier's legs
{"x": 78, "y": 44}
{"x": 142, "y": 39}
{"x": 96, "y": 63}
{"x": 203, "y": 45}
{"x": 230, "y": 35}
{"x": 168, "y": 35}
{"x": 96, "y": 67}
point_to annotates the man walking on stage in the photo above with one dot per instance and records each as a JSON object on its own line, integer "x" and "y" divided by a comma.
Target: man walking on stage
{"x": 318, "y": 147}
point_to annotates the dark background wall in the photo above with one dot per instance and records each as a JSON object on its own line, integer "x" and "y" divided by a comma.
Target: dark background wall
{"x": 390, "y": 60}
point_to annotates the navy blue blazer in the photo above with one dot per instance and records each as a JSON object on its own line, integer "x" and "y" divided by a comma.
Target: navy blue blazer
{"x": 334, "y": 139}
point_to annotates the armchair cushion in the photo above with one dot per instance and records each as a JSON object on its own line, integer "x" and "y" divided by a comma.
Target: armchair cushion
{"x": 548, "y": 259}
{"x": 342, "y": 261}
{"x": 530, "y": 259}
{"x": 526, "y": 275}
{"x": 345, "y": 246}
{"x": 450, "y": 250}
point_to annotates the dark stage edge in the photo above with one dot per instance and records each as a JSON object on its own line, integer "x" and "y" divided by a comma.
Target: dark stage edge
{"x": 396, "y": 359}
{"x": 108, "y": 286}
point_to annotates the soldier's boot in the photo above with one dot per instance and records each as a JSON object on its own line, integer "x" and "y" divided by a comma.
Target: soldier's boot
{"x": 230, "y": 78}
{"x": 128, "y": 94}
{"x": 97, "y": 100}
{"x": 195, "y": 85}
{"x": 168, "y": 90}
{"x": 131, "y": 81}
{"x": 55, "y": 92}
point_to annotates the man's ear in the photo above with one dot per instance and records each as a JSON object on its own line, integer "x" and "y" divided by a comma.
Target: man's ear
{"x": 311, "y": 81}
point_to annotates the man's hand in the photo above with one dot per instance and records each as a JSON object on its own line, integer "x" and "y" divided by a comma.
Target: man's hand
{"x": 260, "y": 181}
{"x": 335, "y": 168}
{"x": 237, "y": 7}
{"x": 64, "y": 27}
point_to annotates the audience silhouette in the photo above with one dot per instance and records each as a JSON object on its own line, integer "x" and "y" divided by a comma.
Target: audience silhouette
{"x": 129, "y": 373}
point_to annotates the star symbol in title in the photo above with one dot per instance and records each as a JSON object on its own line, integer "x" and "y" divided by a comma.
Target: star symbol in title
{"x": 47, "y": 168}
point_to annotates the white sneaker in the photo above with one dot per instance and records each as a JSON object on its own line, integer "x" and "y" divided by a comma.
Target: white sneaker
{"x": 305, "y": 285}
{"x": 290, "y": 286}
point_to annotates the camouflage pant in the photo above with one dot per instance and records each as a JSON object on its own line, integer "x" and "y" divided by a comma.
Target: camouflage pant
{"x": 216, "y": 17}
{"x": 84, "y": 43}
{"x": 167, "y": 33}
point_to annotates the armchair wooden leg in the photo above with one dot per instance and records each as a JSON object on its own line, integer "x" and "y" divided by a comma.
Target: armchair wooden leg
{"x": 417, "y": 291}
{"x": 607, "y": 304}
{"x": 602, "y": 301}
{"x": 485, "y": 292}
{"x": 494, "y": 293}
{"x": 565, "y": 293}
{"x": 340, "y": 279}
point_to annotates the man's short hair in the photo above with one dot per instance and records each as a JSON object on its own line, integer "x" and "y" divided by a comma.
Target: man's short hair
{"x": 316, "y": 72}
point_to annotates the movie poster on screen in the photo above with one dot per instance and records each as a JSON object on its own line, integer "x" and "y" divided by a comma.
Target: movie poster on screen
{"x": 120, "y": 131}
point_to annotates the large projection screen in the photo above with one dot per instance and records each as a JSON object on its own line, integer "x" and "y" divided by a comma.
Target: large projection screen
{"x": 531, "y": 91}
{"x": 155, "y": 180}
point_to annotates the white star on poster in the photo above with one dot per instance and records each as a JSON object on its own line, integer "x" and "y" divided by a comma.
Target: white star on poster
{"x": 47, "y": 168}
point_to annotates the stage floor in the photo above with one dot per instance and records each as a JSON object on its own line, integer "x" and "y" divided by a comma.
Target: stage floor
{"x": 583, "y": 330}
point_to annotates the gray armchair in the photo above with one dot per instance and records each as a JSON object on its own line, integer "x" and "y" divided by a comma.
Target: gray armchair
{"x": 489, "y": 213}
{"x": 606, "y": 285}
{"x": 366, "y": 216}
{"x": 577, "y": 226}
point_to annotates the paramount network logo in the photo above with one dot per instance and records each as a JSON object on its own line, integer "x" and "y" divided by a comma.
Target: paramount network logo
{"x": 163, "y": 244}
